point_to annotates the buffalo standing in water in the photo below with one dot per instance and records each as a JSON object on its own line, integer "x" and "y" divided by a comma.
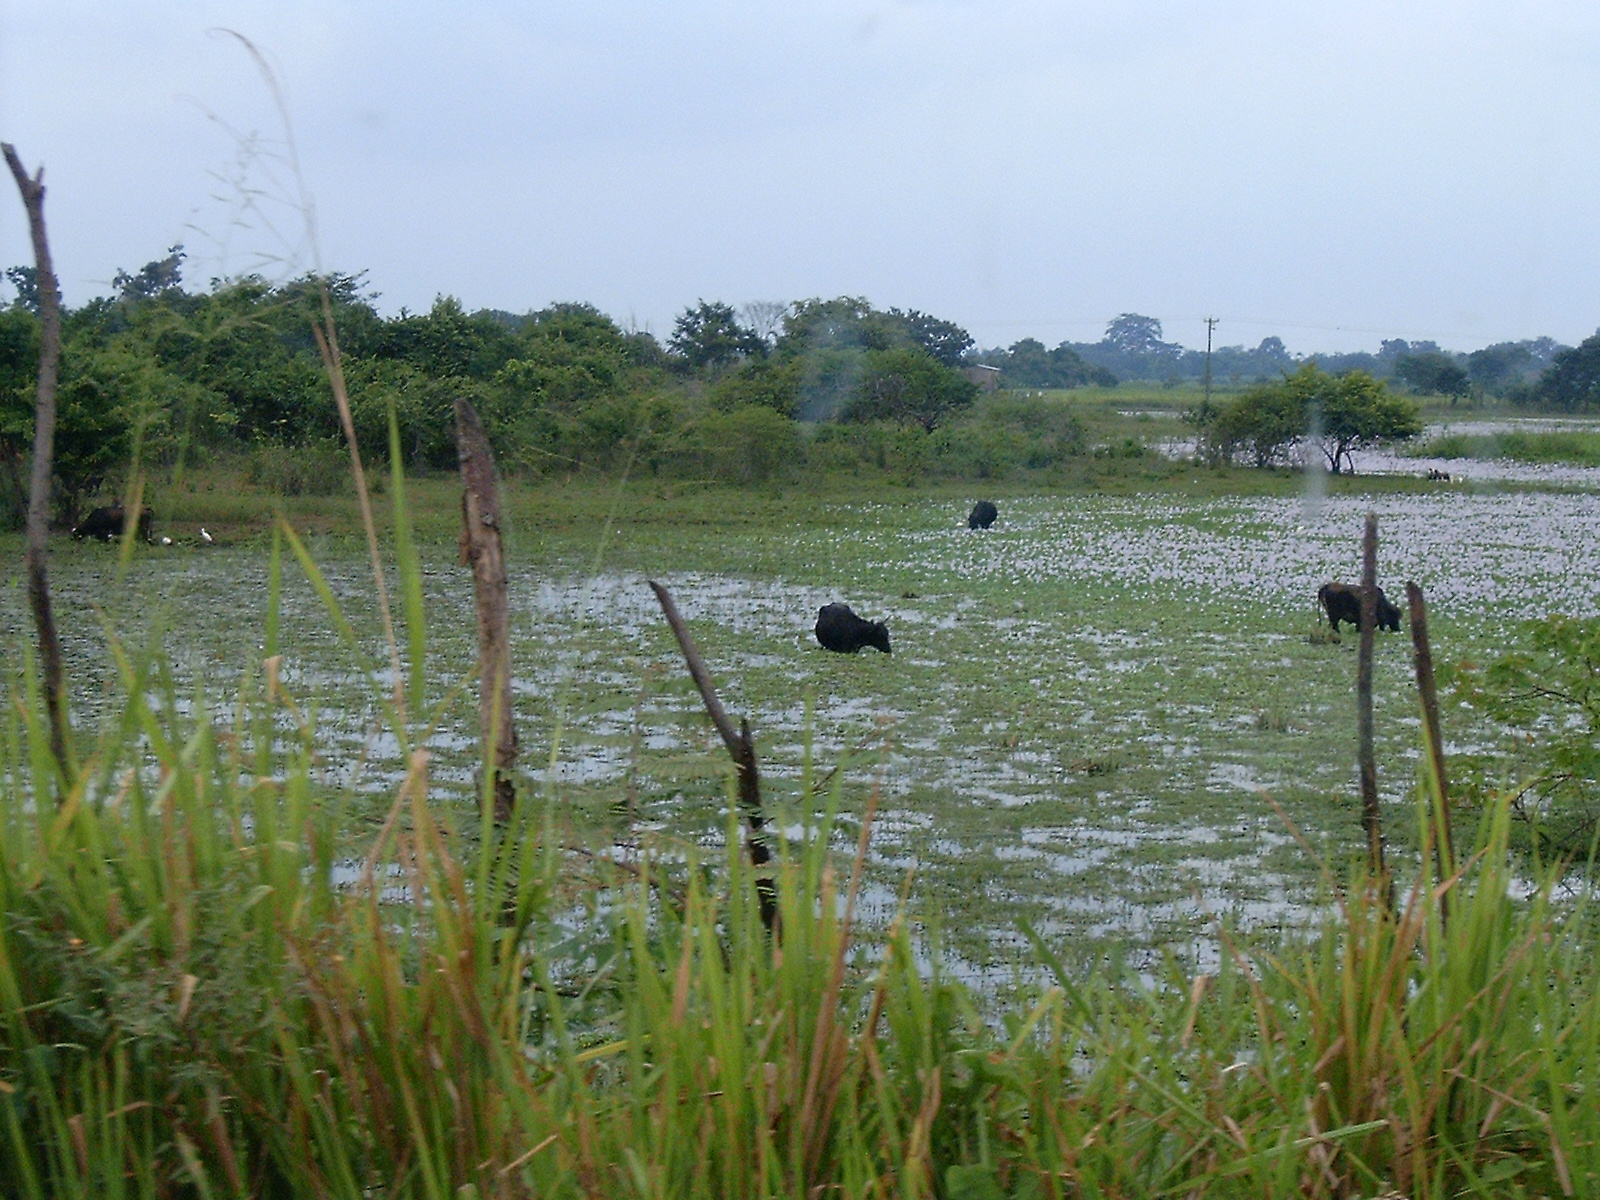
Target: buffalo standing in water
{"x": 840, "y": 630}
{"x": 983, "y": 515}
{"x": 107, "y": 523}
{"x": 1342, "y": 602}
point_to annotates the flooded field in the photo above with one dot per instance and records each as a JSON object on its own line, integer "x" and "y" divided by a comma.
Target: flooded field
{"x": 1084, "y": 717}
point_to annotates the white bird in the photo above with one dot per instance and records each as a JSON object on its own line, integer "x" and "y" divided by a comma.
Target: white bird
{"x": 206, "y": 537}
{"x": 166, "y": 541}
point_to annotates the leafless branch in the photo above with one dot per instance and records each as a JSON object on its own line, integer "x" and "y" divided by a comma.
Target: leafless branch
{"x": 1423, "y": 651}
{"x": 741, "y": 748}
{"x": 44, "y": 432}
{"x": 1371, "y": 822}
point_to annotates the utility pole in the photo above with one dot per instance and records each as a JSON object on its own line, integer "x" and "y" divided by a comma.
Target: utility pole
{"x": 1211, "y": 323}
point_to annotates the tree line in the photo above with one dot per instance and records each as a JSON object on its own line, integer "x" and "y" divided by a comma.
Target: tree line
{"x": 1536, "y": 373}
{"x": 163, "y": 373}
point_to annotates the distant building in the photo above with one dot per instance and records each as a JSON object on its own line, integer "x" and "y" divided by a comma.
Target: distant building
{"x": 987, "y": 378}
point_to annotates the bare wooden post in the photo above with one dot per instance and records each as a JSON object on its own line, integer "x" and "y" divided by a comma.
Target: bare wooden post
{"x": 1444, "y": 838}
{"x": 44, "y": 434}
{"x": 482, "y": 551}
{"x": 1370, "y": 821}
{"x": 741, "y": 748}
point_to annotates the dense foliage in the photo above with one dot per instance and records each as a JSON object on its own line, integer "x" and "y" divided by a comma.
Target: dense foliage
{"x": 1572, "y": 384}
{"x": 164, "y": 375}
{"x": 1545, "y": 695}
{"x": 170, "y": 375}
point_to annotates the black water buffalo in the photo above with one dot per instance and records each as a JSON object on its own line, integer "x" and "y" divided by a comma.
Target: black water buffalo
{"x": 841, "y": 630}
{"x": 107, "y": 523}
{"x": 1342, "y": 602}
{"x": 983, "y": 515}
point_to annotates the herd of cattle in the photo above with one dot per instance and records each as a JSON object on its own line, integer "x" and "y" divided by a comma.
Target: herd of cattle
{"x": 839, "y": 629}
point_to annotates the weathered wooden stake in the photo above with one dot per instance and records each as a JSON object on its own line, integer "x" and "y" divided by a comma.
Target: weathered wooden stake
{"x": 1444, "y": 838}
{"x": 1371, "y": 823}
{"x": 741, "y": 748}
{"x": 482, "y": 551}
{"x": 44, "y": 433}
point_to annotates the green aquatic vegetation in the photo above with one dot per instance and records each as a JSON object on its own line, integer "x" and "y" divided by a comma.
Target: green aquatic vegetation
{"x": 1565, "y": 447}
{"x": 1083, "y": 711}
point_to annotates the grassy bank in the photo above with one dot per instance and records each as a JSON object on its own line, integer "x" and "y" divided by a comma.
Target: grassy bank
{"x": 1563, "y": 447}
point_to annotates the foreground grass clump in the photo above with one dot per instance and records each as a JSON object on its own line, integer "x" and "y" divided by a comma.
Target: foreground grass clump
{"x": 197, "y": 999}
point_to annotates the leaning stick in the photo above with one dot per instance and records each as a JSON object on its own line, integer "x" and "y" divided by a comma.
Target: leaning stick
{"x": 1370, "y": 821}
{"x": 741, "y": 748}
{"x": 1444, "y": 847}
{"x": 44, "y": 433}
{"x": 482, "y": 551}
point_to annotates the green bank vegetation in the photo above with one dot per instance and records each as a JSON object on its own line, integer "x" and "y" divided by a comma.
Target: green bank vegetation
{"x": 1567, "y": 447}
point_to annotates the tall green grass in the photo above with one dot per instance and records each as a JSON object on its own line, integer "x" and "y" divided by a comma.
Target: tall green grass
{"x": 1565, "y": 447}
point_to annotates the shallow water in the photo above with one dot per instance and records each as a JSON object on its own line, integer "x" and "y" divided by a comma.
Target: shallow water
{"x": 1085, "y": 714}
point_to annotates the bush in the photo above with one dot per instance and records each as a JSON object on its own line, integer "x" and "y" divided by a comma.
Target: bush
{"x": 749, "y": 445}
{"x": 320, "y": 468}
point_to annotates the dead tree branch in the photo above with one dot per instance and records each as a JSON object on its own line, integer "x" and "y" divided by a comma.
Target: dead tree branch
{"x": 44, "y": 434}
{"x": 481, "y": 549}
{"x": 1444, "y": 839}
{"x": 1371, "y": 822}
{"x": 741, "y": 748}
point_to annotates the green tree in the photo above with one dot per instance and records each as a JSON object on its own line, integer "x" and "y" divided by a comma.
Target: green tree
{"x": 907, "y": 384}
{"x": 1132, "y": 333}
{"x": 946, "y": 341}
{"x": 19, "y": 373}
{"x": 760, "y": 383}
{"x": 1572, "y": 384}
{"x": 1342, "y": 413}
{"x": 709, "y": 335}
{"x": 1028, "y": 364}
{"x": 1351, "y": 412}
{"x": 26, "y": 282}
{"x": 448, "y": 341}
{"x": 154, "y": 278}
{"x": 1265, "y": 423}
{"x": 108, "y": 396}
{"x": 1433, "y": 373}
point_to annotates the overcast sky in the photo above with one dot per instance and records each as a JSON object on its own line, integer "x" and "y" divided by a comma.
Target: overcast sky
{"x": 1330, "y": 173}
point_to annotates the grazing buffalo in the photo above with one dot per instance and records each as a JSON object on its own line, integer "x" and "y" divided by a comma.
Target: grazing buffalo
{"x": 107, "y": 523}
{"x": 841, "y": 630}
{"x": 1342, "y": 602}
{"x": 983, "y": 515}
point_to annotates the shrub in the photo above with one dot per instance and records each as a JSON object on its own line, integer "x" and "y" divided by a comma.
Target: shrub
{"x": 320, "y": 468}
